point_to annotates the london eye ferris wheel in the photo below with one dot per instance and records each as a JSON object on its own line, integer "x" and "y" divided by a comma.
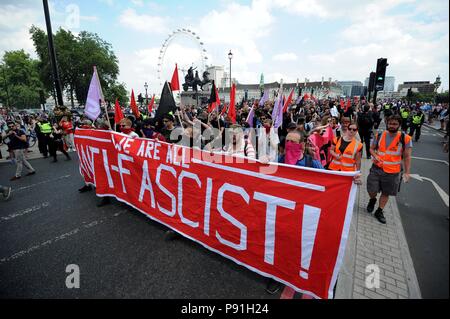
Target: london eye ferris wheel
{"x": 174, "y": 36}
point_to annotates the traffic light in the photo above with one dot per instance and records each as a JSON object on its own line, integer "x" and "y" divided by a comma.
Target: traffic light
{"x": 380, "y": 74}
{"x": 372, "y": 81}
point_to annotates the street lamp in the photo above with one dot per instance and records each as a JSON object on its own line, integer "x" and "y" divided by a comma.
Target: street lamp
{"x": 146, "y": 95}
{"x": 230, "y": 56}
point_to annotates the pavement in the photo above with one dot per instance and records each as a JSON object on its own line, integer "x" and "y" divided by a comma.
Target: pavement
{"x": 49, "y": 225}
{"x": 371, "y": 246}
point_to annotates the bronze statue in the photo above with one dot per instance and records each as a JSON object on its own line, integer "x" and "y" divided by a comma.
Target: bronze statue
{"x": 193, "y": 81}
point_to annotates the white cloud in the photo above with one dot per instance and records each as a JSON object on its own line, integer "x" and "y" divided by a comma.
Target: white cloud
{"x": 15, "y": 21}
{"x": 241, "y": 29}
{"x": 283, "y": 57}
{"x": 143, "y": 22}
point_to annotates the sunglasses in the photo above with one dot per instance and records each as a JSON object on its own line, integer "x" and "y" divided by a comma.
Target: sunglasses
{"x": 353, "y": 129}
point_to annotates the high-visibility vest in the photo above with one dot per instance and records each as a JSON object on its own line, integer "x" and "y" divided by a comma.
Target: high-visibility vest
{"x": 404, "y": 114}
{"x": 347, "y": 162}
{"x": 387, "y": 107}
{"x": 45, "y": 128}
{"x": 417, "y": 119}
{"x": 390, "y": 156}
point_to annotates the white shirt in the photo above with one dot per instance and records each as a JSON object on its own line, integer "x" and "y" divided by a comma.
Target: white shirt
{"x": 133, "y": 135}
{"x": 268, "y": 144}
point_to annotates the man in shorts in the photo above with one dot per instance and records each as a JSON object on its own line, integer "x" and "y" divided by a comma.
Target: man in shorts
{"x": 389, "y": 149}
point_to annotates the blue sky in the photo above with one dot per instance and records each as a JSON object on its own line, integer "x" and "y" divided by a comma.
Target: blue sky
{"x": 286, "y": 39}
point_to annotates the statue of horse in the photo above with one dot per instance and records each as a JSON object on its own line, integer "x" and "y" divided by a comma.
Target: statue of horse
{"x": 194, "y": 81}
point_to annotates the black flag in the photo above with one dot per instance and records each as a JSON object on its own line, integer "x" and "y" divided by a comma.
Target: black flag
{"x": 212, "y": 97}
{"x": 166, "y": 103}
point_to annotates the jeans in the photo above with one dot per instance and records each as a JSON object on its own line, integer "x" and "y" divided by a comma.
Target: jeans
{"x": 21, "y": 161}
{"x": 68, "y": 139}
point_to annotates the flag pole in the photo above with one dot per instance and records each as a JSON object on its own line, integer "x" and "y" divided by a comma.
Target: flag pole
{"x": 179, "y": 108}
{"x": 102, "y": 97}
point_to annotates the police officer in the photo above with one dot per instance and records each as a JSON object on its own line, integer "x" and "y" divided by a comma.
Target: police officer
{"x": 416, "y": 124}
{"x": 43, "y": 131}
{"x": 404, "y": 113}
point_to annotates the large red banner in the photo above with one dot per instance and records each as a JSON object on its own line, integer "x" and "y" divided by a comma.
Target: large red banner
{"x": 285, "y": 222}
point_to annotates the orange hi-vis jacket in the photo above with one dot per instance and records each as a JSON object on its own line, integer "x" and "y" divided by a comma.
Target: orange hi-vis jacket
{"x": 347, "y": 162}
{"x": 390, "y": 156}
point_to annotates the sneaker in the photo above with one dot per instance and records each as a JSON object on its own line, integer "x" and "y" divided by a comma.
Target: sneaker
{"x": 380, "y": 216}
{"x": 31, "y": 173}
{"x": 171, "y": 235}
{"x": 14, "y": 178}
{"x": 104, "y": 201}
{"x": 371, "y": 205}
{"x": 6, "y": 193}
{"x": 85, "y": 188}
{"x": 273, "y": 286}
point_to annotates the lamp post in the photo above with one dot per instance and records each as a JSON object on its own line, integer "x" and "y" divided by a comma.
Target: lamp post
{"x": 52, "y": 53}
{"x": 230, "y": 56}
{"x": 146, "y": 95}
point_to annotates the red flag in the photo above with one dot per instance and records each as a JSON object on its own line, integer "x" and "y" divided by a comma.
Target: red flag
{"x": 288, "y": 102}
{"x": 306, "y": 96}
{"x": 133, "y": 106}
{"x": 349, "y": 105}
{"x": 150, "y": 105}
{"x": 232, "y": 109}
{"x": 342, "y": 103}
{"x": 118, "y": 114}
{"x": 175, "y": 82}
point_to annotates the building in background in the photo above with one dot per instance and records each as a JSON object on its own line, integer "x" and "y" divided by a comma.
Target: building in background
{"x": 424, "y": 87}
{"x": 351, "y": 88}
{"x": 216, "y": 74}
{"x": 389, "y": 84}
{"x": 320, "y": 90}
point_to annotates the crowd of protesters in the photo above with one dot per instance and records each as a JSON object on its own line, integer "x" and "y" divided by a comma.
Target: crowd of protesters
{"x": 327, "y": 133}
{"x": 52, "y": 133}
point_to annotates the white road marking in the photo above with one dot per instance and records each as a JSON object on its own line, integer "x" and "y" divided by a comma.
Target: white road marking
{"x": 25, "y": 211}
{"x": 430, "y": 159}
{"x": 40, "y": 183}
{"x": 440, "y": 191}
{"x": 58, "y": 238}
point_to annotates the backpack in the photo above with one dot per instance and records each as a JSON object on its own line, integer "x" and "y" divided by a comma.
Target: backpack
{"x": 365, "y": 120}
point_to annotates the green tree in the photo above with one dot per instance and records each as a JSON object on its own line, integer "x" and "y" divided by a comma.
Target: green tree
{"x": 20, "y": 80}
{"x": 76, "y": 56}
{"x": 442, "y": 97}
{"x": 116, "y": 91}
